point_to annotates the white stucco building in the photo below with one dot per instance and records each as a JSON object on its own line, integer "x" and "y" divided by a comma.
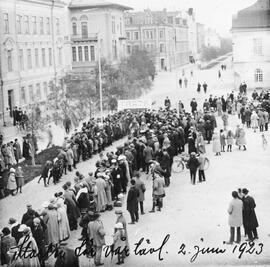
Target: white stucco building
{"x": 212, "y": 38}
{"x": 33, "y": 51}
{"x": 251, "y": 45}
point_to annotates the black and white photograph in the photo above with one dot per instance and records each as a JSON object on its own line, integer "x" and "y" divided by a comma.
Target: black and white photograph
{"x": 134, "y": 133}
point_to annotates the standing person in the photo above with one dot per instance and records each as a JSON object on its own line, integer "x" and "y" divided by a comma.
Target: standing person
{"x": 205, "y": 87}
{"x": 11, "y": 184}
{"x": 96, "y": 235}
{"x": 148, "y": 155}
{"x": 17, "y": 150}
{"x": 19, "y": 179}
{"x": 51, "y": 220}
{"x": 70, "y": 158}
{"x": 201, "y": 160}
{"x": 216, "y": 144}
{"x": 158, "y": 191}
{"x": 186, "y": 82}
{"x": 266, "y": 119}
{"x": 225, "y": 120}
{"x": 199, "y": 87}
{"x": 141, "y": 187}
{"x": 50, "y": 136}
{"x": 254, "y": 121}
{"x": 119, "y": 242}
{"x": 180, "y": 83}
{"x": 132, "y": 202}
{"x": 235, "y": 211}
{"x": 101, "y": 193}
{"x": 229, "y": 140}
{"x": 193, "y": 105}
{"x": 200, "y": 143}
{"x": 7, "y": 242}
{"x": 219, "y": 74}
{"x": 264, "y": 142}
{"x": 242, "y": 139}
{"x": 167, "y": 103}
{"x": 222, "y": 140}
{"x": 193, "y": 165}
{"x": 249, "y": 216}
{"x": 64, "y": 229}
{"x": 121, "y": 219}
{"x": 165, "y": 164}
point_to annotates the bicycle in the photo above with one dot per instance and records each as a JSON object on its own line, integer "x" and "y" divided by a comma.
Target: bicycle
{"x": 180, "y": 163}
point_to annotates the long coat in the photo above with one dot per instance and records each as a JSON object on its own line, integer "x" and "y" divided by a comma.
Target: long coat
{"x": 242, "y": 138}
{"x": 95, "y": 231}
{"x": 216, "y": 143}
{"x": 249, "y": 215}
{"x": 141, "y": 187}
{"x": 11, "y": 185}
{"x": 235, "y": 211}
{"x": 132, "y": 199}
{"x": 70, "y": 157}
{"x": 64, "y": 229}
{"x": 17, "y": 151}
{"x": 51, "y": 220}
{"x": 101, "y": 194}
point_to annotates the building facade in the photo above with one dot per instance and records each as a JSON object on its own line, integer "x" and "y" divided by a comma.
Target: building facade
{"x": 212, "y": 38}
{"x": 163, "y": 34}
{"x": 251, "y": 46}
{"x": 33, "y": 51}
{"x": 200, "y": 36}
{"x": 93, "y": 26}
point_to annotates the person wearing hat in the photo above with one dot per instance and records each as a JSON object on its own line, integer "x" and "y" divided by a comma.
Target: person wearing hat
{"x": 235, "y": 211}
{"x": 132, "y": 202}
{"x": 64, "y": 229}
{"x": 193, "y": 164}
{"x": 29, "y": 248}
{"x": 249, "y": 216}
{"x": 19, "y": 179}
{"x": 11, "y": 184}
{"x": 96, "y": 234}
{"x": 119, "y": 242}
{"x": 29, "y": 216}
{"x": 14, "y": 229}
{"x": 7, "y": 242}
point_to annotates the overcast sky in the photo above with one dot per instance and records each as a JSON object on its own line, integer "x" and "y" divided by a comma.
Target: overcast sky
{"x": 216, "y": 14}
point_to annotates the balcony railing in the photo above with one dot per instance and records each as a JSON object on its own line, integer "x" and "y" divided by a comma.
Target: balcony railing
{"x": 84, "y": 37}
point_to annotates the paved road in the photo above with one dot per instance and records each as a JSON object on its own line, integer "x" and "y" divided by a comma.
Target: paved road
{"x": 193, "y": 215}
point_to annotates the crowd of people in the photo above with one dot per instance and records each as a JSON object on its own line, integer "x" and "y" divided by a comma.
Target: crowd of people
{"x": 155, "y": 137}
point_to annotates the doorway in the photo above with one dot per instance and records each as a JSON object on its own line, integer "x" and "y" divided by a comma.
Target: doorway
{"x": 162, "y": 63}
{"x": 10, "y": 102}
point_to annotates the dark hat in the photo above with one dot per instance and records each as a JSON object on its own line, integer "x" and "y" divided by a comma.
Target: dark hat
{"x": 244, "y": 191}
{"x": 11, "y": 220}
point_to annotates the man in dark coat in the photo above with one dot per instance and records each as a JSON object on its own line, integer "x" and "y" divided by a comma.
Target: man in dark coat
{"x": 26, "y": 149}
{"x": 132, "y": 202}
{"x": 165, "y": 164}
{"x": 193, "y": 105}
{"x": 29, "y": 216}
{"x": 117, "y": 176}
{"x": 249, "y": 216}
{"x": 193, "y": 165}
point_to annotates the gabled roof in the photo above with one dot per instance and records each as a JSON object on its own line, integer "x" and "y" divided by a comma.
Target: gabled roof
{"x": 77, "y": 4}
{"x": 254, "y": 16}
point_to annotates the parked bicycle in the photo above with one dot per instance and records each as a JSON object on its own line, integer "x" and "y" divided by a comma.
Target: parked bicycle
{"x": 180, "y": 163}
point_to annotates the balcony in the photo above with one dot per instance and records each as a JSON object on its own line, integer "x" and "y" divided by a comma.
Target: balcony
{"x": 84, "y": 37}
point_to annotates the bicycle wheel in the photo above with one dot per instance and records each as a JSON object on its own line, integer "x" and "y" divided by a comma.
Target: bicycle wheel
{"x": 178, "y": 166}
{"x": 206, "y": 163}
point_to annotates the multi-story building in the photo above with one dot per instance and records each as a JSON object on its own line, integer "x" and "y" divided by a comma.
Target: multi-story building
{"x": 94, "y": 25}
{"x": 251, "y": 43}
{"x": 200, "y": 36}
{"x": 33, "y": 51}
{"x": 212, "y": 38}
{"x": 162, "y": 33}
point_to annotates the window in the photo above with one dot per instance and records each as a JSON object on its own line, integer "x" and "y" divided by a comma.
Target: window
{"x": 84, "y": 30}
{"x": 36, "y": 58}
{"x": 23, "y": 99}
{"x": 26, "y": 24}
{"x": 29, "y": 59}
{"x": 74, "y": 28}
{"x": 170, "y": 20}
{"x": 114, "y": 50}
{"x": 43, "y": 57}
{"x": 136, "y": 35}
{"x": 161, "y": 34}
{"x": 41, "y": 25}
{"x": 19, "y": 24}
{"x": 128, "y": 35}
{"x": 31, "y": 93}
{"x": 128, "y": 49}
{"x": 57, "y": 26}
{"x": 258, "y": 76}
{"x": 9, "y": 60}
{"x": 86, "y": 53}
{"x": 38, "y": 92}
{"x": 151, "y": 35}
{"x": 113, "y": 24}
{"x": 48, "y": 26}
{"x": 80, "y": 53}
{"x": 21, "y": 61}
{"x": 92, "y": 53}
{"x": 45, "y": 89}
{"x": 121, "y": 27}
{"x": 60, "y": 56}
{"x": 74, "y": 54}
{"x": 161, "y": 48}
{"x": 177, "y": 21}
{"x": 257, "y": 46}
{"x": 147, "y": 34}
{"x": 50, "y": 56}
{"x": 34, "y": 22}
{"x": 6, "y": 23}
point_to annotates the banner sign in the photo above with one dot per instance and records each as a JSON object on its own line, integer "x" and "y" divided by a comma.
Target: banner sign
{"x": 134, "y": 104}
